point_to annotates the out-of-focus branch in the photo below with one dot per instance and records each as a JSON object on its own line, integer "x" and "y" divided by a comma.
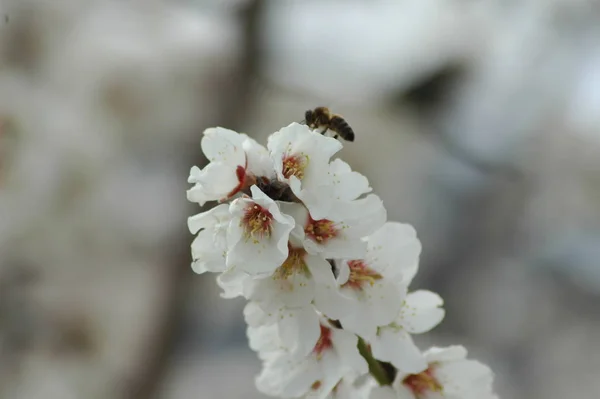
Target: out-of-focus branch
{"x": 234, "y": 109}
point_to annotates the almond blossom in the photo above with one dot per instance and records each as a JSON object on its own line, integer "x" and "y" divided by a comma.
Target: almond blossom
{"x": 209, "y": 248}
{"x": 340, "y": 237}
{"x": 375, "y": 285}
{"x": 292, "y": 284}
{"x": 294, "y": 331}
{"x": 420, "y": 312}
{"x": 333, "y": 356}
{"x": 301, "y": 159}
{"x": 234, "y": 160}
{"x": 304, "y": 240}
{"x": 448, "y": 374}
{"x": 258, "y": 234}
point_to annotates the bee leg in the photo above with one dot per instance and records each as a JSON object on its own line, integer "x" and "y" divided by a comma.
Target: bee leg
{"x": 325, "y": 131}
{"x": 336, "y": 136}
{"x": 303, "y": 122}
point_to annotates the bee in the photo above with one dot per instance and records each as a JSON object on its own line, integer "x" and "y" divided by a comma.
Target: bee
{"x": 322, "y": 117}
{"x": 276, "y": 190}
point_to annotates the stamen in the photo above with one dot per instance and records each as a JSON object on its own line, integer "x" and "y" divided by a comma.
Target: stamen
{"x": 320, "y": 231}
{"x": 293, "y": 264}
{"x": 422, "y": 383}
{"x": 360, "y": 274}
{"x": 294, "y": 165}
{"x": 257, "y": 222}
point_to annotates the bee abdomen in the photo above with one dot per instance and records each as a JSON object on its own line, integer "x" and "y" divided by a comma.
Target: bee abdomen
{"x": 339, "y": 125}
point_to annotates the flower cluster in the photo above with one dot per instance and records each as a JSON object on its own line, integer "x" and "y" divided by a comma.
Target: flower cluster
{"x": 326, "y": 276}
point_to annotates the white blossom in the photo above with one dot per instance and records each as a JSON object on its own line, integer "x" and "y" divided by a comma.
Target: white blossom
{"x": 258, "y": 234}
{"x": 448, "y": 374}
{"x": 350, "y": 388}
{"x": 301, "y": 159}
{"x": 209, "y": 248}
{"x": 293, "y": 284}
{"x": 334, "y": 356}
{"x": 340, "y": 237}
{"x": 420, "y": 312}
{"x": 295, "y": 330}
{"x": 232, "y": 282}
{"x": 234, "y": 161}
{"x": 374, "y": 286}
{"x": 308, "y": 246}
{"x": 348, "y": 185}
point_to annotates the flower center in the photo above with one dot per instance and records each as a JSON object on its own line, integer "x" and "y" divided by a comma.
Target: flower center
{"x": 324, "y": 342}
{"x": 422, "y": 383}
{"x": 360, "y": 274}
{"x": 294, "y": 165}
{"x": 294, "y": 264}
{"x": 320, "y": 231}
{"x": 257, "y": 222}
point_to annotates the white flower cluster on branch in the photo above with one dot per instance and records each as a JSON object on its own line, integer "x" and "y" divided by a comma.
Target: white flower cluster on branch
{"x": 326, "y": 276}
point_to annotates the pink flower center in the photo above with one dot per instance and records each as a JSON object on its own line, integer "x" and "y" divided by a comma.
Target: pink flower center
{"x": 257, "y": 222}
{"x": 360, "y": 274}
{"x": 324, "y": 343}
{"x": 294, "y": 264}
{"x": 320, "y": 231}
{"x": 422, "y": 383}
{"x": 294, "y": 165}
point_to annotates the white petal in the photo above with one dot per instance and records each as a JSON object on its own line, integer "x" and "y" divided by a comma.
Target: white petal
{"x": 253, "y": 256}
{"x": 338, "y": 247}
{"x": 373, "y": 306}
{"x": 298, "y": 289}
{"x": 362, "y": 217}
{"x": 286, "y": 378}
{"x": 299, "y": 329}
{"x": 199, "y": 195}
{"x": 402, "y": 392}
{"x": 259, "y": 161}
{"x": 208, "y": 219}
{"x": 255, "y": 316}
{"x": 348, "y": 185}
{"x": 324, "y": 391}
{"x": 223, "y": 145}
{"x": 195, "y": 174}
{"x": 328, "y": 299}
{"x": 394, "y": 250}
{"x": 343, "y": 272}
{"x": 283, "y": 139}
{"x": 397, "y": 347}
{"x": 332, "y": 371}
{"x": 300, "y": 215}
{"x": 216, "y": 182}
{"x": 450, "y": 353}
{"x": 385, "y": 392}
{"x": 264, "y": 338}
{"x": 421, "y": 312}
{"x": 465, "y": 377}
{"x": 317, "y": 198}
{"x": 232, "y": 282}
{"x": 207, "y": 256}
{"x": 344, "y": 344}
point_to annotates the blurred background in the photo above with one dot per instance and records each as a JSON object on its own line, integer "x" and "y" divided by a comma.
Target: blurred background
{"x": 477, "y": 121}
